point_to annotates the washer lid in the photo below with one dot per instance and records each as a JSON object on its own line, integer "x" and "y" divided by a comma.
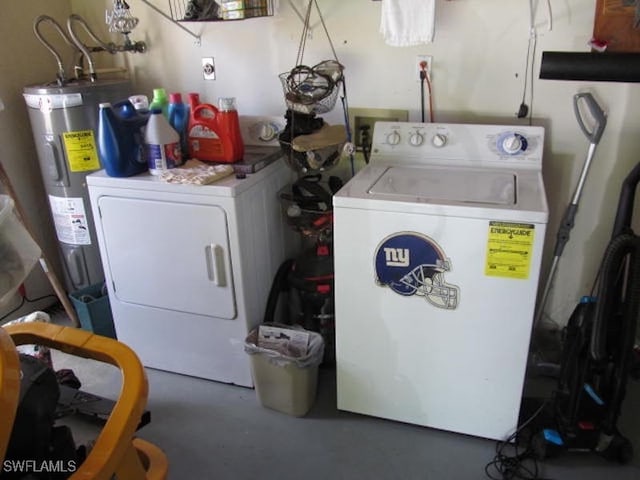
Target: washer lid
{"x": 495, "y": 193}
{"x": 446, "y": 185}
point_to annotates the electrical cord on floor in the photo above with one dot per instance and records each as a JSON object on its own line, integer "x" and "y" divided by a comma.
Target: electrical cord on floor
{"x": 522, "y": 464}
{"x": 24, "y": 299}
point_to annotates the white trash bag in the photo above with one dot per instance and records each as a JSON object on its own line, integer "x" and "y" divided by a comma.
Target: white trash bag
{"x": 286, "y": 345}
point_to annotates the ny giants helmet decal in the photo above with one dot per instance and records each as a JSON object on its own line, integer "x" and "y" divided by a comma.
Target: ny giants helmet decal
{"x": 413, "y": 264}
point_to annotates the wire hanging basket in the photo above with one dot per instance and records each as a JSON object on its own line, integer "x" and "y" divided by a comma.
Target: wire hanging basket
{"x": 312, "y": 89}
{"x": 310, "y": 144}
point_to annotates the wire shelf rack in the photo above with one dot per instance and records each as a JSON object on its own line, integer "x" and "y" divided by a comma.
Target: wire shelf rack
{"x": 180, "y": 12}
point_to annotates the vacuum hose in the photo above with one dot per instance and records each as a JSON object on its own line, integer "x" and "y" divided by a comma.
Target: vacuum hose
{"x": 626, "y": 202}
{"x": 617, "y": 307}
{"x": 278, "y": 286}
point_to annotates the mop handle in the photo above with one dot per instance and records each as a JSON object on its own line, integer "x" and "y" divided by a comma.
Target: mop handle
{"x": 594, "y": 135}
{"x": 599, "y": 117}
{"x": 568, "y": 219}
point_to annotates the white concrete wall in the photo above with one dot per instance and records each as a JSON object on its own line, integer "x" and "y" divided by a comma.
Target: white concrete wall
{"x": 479, "y": 57}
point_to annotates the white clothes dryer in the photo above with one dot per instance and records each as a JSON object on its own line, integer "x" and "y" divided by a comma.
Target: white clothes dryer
{"x": 189, "y": 267}
{"x": 438, "y": 244}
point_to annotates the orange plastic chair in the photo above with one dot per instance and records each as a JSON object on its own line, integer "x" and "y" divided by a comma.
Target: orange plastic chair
{"x": 9, "y": 388}
{"x": 116, "y": 452}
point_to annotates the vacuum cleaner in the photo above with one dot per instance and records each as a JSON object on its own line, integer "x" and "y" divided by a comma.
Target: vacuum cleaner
{"x": 598, "y": 351}
{"x": 307, "y": 281}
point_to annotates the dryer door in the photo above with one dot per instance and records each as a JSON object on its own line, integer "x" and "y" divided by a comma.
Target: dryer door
{"x": 169, "y": 255}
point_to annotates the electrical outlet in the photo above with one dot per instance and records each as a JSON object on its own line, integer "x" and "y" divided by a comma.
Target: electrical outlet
{"x": 416, "y": 66}
{"x": 208, "y": 68}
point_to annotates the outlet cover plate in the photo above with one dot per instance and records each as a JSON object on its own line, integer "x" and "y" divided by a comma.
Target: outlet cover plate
{"x": 416, "y": 66}
{"x": 208, "y": 68}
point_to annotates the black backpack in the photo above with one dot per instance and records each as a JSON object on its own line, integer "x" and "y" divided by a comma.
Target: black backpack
{"x": 38, "y": 449}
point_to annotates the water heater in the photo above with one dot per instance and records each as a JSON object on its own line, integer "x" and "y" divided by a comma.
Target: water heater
{"x": 64, "y": 121}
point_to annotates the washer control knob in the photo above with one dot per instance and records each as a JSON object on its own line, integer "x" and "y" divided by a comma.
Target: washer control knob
{"x": 416, "y": 139}
{"x": 393, "y": 138}
{"x": 512, "y": 143}
{"x": 268, "y": 131}
{"x": 439, "y": 140}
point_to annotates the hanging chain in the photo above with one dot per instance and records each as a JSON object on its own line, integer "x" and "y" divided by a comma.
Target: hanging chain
{"x": 299, "y": 60}
{"x": 324, "y": 26}
{"x": 305, "y": 32}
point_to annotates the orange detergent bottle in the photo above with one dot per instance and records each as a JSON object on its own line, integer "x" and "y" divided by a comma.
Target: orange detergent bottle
{"x": 208, "y": 141}
{"x": 230, "y": 124}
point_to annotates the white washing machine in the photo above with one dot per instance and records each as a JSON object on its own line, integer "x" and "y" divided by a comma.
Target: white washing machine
{"x": 189, "y": 267}
{"x": 438, "y": 244}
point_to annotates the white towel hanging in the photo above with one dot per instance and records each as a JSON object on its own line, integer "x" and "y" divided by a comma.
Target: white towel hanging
{"x": 404, "y": 23}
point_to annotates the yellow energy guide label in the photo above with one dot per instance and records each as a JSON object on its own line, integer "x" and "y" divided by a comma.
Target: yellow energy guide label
{"x": 509, "y": 250}
{"x": 81, "y": 151}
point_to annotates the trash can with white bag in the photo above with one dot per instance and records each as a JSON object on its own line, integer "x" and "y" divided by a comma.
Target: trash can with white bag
{"x": 284, "y": 364}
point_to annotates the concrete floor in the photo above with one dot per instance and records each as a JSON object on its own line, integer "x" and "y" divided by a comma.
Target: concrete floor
{"x": 211, "y": 430}
{"x": 217, "y": 431}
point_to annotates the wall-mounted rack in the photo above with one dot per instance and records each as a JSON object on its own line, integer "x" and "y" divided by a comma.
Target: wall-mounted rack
{"x": 180, "y": 12}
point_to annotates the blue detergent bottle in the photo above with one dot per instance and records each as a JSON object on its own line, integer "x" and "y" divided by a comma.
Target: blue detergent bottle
{"x": 121, "y": 139}
{"x": 178, "y": 114}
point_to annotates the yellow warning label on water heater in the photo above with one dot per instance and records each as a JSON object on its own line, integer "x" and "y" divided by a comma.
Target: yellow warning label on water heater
{"x": 509, "y": 250}
{"x": 81, "y": 151}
